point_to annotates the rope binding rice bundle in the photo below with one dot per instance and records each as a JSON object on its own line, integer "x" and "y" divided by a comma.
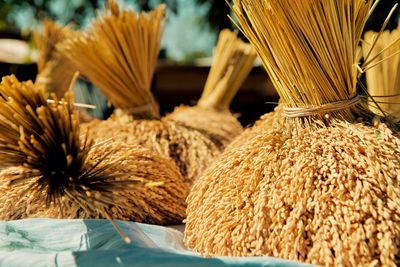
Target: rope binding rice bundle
{"x": 324, "y": 188}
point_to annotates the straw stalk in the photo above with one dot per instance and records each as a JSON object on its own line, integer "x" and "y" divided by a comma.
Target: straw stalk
{"x": 233, "y": 61}
{"x": 53, "y": 172}
{"x": 325, "y": 187}
{"x": 118, "y": 53}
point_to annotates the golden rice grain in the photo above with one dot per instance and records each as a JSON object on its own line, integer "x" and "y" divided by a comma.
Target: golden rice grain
{"x": 191, "y": 150}
{"x": 327, "y": 197}
{"x": 52, "y": 172}
{"x": 163, "y": 204}
{"x": 220, "y": 126}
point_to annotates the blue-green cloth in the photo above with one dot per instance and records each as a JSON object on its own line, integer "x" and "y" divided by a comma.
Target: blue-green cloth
{"x": 45, "y": 242}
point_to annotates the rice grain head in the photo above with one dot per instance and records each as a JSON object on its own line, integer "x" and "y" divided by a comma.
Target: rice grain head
{"x": 52, "y": 172}
{"x": 221, "y": 127}
{"x": 191, "y": 150}
{"x": 321, "y": 188}
{"x": 329, "y": 197}
{"x": 119, "y": 55}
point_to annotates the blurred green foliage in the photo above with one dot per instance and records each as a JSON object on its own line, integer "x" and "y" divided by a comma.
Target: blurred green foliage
{"x": 189, "y": 34}
{"x": 26, "y": 13}
{"x": 192, "y": 24}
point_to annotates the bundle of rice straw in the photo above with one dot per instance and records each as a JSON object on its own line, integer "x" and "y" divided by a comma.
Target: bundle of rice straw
{"x": 119, "y": 55}
{"x": 383, "y": 76}
{"x": 233, "y": 61}
{"x": 54, "y": 71}
{"x": 52, "y": 172}
{"x": 325, "y": 188}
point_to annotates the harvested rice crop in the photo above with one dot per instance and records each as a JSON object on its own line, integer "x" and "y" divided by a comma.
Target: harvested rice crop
{"x": 233, "y": 61}
{"x": 52, "y": 172}
{"x": 325, "y": 188}
{"x": 118, "y": 54}
{"x": 191, "y": 150}
{"x": 55, "y": 72}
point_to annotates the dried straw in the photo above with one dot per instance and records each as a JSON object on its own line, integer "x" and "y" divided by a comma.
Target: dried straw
{"x": 119, "y": 55}
{"x": 54, "y": 173}
{"x": 233, "y": 61}
{"x": 55, "y": 72}
{"x": 383, "y": 77}
{"x": 322, "y": 189}
{"x": 318, "y": 65}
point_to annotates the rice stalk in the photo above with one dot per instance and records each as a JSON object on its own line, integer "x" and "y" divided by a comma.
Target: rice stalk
{"x": 233, "y": 60}
{"x": 324, "y": 186}
{"x": 53, "y": 172}
{"x": 54, "y": 71}
{"x": 119, "y": 53}
{"x": 383, "y": 78}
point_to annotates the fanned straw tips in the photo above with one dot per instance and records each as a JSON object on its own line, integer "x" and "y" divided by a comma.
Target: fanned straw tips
{"x": 53, "y": 173}
{"x": 325, "y": 187}
{"x": 55, "y": 72}
{"x": 119, "y": 54}
{"x": 383, "y": 76}
{"x": 233, "y": 61}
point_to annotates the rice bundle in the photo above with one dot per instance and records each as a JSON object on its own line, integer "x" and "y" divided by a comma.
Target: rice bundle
{"x": 383, "y": 76}
{"x": 233, "y": 61}
{"x": 325, "y": 188}
{"x": 191, "y": 151}
{"x": 53, "y": 173}
{"x": 54, "y": 71}
{"x": 119, "y": 55}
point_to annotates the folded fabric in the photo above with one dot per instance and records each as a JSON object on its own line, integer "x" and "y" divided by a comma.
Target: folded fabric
{"x": 45, "y": 242}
